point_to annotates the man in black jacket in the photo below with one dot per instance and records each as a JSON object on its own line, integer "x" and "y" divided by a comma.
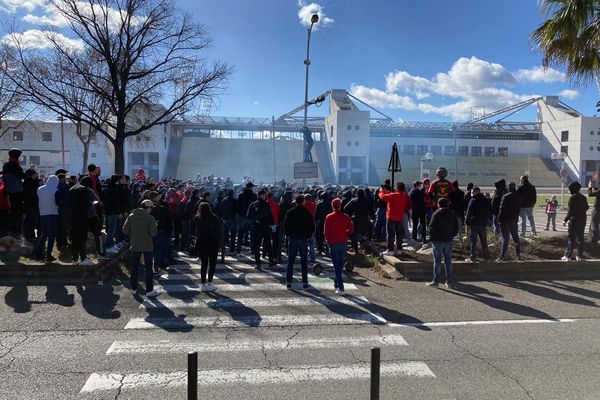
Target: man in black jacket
{"x": 261, "y": 218}
{"x": 12, "y": 175}
{"x": 114, "y": 209}
{"x": 229, "y": 210}
{"x": 30, "y": 204}
{"x": 443, "y": 228}
{"x": 529, "y": 196}
{"x": 595, "y": 192}
{"x": 577, "y": 219}
{"x": 508, "y": 217}
{"x": 323, "y": 210}
{"x": 381, "y": 207}
{"x": 500, "y": 191}
{"x": 478, "y": 217}
{"x": 417, "y": 198}
{"x": 299, "y": 227}
{"x": 244, "y": 200}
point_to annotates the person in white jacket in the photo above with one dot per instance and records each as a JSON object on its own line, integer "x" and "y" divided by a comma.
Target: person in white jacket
{"x": 48, "y": 205}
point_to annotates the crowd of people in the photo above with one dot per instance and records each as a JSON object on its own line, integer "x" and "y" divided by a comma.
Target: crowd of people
{"x": 212, "y": 216}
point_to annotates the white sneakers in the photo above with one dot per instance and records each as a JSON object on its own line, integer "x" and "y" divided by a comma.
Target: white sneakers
{"x": 208, "y": 287}
{"x": 112, "y": 250}
{"x": 87, "y": 262}
{"x": 565, "y": 259}
{"x": 388, "y": 253}
{"x": 340, "y": 292}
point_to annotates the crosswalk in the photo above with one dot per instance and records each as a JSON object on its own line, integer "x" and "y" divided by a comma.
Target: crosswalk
{"x": 251, "y": 331}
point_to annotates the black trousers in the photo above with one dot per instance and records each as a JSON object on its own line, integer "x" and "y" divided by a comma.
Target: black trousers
{"x": 595, "y": 224}
{"x": 79, "y": 232}
{"x": 418, "y": 222}
{"x": 16, "y": 212}
{"x": 576, "y": 234}
{"x": 260, "y": 234}
{"x": 208, "y": 259}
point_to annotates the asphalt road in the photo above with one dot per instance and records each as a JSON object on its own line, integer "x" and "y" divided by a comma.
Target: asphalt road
{"x": 257, "y": 340}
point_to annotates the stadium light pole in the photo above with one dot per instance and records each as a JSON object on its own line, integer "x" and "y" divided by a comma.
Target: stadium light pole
{"x": 561, "y": 156}
{"x": 453, "y": 129}
{"x": 313, "y": 20}
{"x": 426, "y": 157}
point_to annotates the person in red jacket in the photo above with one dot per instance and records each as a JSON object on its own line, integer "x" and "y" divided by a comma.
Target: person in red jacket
{"x": 398, "y": 204}
{"x": 311, "y": 205}
{"x": 338, "y": 226}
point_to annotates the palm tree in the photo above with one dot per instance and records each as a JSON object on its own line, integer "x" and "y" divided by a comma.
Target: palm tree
{"x": 570, "y": 38}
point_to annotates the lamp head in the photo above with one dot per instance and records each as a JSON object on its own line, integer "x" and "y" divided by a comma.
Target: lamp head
{"x": 314, "y": 19}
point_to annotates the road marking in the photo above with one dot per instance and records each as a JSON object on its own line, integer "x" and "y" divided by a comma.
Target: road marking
{"x": 254, "y": 321}
{"x": 256, "y": 376}
{"x": 249, "y": 287}
{"x": 253, "y": 302}
{"x": 469, "y": 323}
{"x": 225, "y": 276}
{"x": 255, "y": 344}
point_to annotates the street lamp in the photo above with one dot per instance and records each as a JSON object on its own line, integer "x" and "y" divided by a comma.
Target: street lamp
{"x": 307, "y": 156}
{"x": 426, "y": 157}
{"x": 561, "y": 156}
{"x": 62, "y": 138}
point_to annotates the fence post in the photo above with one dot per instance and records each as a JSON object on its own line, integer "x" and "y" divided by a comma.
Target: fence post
{"x": 192, "y": 375}
{"x": 375, "y": 371}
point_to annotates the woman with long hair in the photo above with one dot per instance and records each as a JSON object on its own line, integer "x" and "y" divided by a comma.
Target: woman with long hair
{"x": 209, "y": 233}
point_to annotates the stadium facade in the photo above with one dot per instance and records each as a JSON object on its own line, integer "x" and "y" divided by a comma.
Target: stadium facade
{"x": 352, "y": 145}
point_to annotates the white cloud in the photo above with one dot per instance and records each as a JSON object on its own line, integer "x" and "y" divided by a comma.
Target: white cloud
{"x": 37, "y": 39}
{"x": 308, "y": 9}
{"x": 11, "y": 6}
{"x": 470, "y": 81}
{"x": 256, "y": 103}
{"x": 540, "y": 74}
{"x": 570, "y": 94}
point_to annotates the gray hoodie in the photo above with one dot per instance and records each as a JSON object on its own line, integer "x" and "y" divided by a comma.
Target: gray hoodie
{"x": 47, "y": 197}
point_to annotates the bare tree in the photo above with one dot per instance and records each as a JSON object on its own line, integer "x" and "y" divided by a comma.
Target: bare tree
{"x": 142, "y": 49}
{"x": 13, "y": 110}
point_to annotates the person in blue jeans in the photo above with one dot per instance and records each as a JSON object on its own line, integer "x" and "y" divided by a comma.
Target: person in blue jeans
{"x": 338, "y": 226}
{"x": 444, "y": 226}
{"x": 299, "y": 227}
{"x": 141, "y": 228}
{"x": 48, "y": 202}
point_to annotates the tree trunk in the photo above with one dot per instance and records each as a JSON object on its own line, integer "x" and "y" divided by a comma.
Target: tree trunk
{"x": 119, "y": 155}
{"x": 86, "y": 154}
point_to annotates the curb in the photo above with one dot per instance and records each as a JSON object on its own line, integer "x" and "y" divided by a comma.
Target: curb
{"x": 60, "y": 274}
{"x": 489, "y": 271}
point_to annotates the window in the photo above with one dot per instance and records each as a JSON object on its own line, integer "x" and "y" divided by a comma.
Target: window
{"x": 34, "y": 160}
{"x": 421, "y": 150}
{"x": 46, "y": 136}
{"x": 476, "y": 151}
{"x": 564, "y": 149}
{"x": 591, "y": 148}
{"x": 502, "y": 151}
{"x": 590, "y": 165}
{"x": 331, "y": 147}
{"x": 153, "y": 159}
{"x": 348, "y": 144}
{"x": 17, "y": 136}
{"x": 93, "y": 155}
{"x": 356, "y": 127}
{"x": 409, "y": 149}
{"x": 356, "y": 144}
{"x": 564, "y": 136}
{"x": 436, "y": 150}
{"x": 138, "y": 138}
{"x": 490, "y": 151}
{"x": 165, "y": 142}
{"x": 349, "y": 127}
{"x": 463, "y": 151}
{"x": 331, "y": 131}
{"x": 449, "y": 150}
{"x": 592, "y": 133}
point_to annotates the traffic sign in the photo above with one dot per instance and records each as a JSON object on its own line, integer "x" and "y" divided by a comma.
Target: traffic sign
{"x": 306, "y": 170}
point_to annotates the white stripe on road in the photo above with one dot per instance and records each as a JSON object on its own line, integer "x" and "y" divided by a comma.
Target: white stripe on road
{"x": 253, "y": 302}
{"x": 257, "y": 376}
{"x": 222, "y": 276}
{"x": 243, "y": 321}
{"x": 168, "y": 346}
{"x": 468, "y": 323}
{"x": 250, "y": 287}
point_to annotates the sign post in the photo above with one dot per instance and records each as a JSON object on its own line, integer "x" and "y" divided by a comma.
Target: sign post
{"x": 394, "y": 165}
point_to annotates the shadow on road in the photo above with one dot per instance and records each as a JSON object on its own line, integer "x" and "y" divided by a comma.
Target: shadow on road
{"x": 99, "y": 301}
{"x": 59, "y": 295}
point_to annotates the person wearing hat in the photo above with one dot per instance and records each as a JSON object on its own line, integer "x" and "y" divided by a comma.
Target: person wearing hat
{"x": 81, "y": 205}
{"x": 13, "y": 176}
{"x": 245, "y": 198}
{"x": 142, "y": 228}
{"x": 261, "y": 218}
{"x": 577, "y": 219}
{"x": 338, "y": 226}
{"x": 31, "y": 183}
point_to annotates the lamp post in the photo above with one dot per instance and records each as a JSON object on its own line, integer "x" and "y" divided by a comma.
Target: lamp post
{"x": 62, "y": 138}
{"x": 561, "y": 156}
{"x": 426, "y": 157}
{"x": 455, "y": 152}
{"x": 313, "y": 20}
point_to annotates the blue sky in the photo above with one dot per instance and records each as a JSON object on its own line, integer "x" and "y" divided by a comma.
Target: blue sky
{"x": 415, "y": 60}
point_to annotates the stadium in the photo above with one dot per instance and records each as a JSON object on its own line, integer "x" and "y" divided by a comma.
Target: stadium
{"x": 352, "y": 145}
